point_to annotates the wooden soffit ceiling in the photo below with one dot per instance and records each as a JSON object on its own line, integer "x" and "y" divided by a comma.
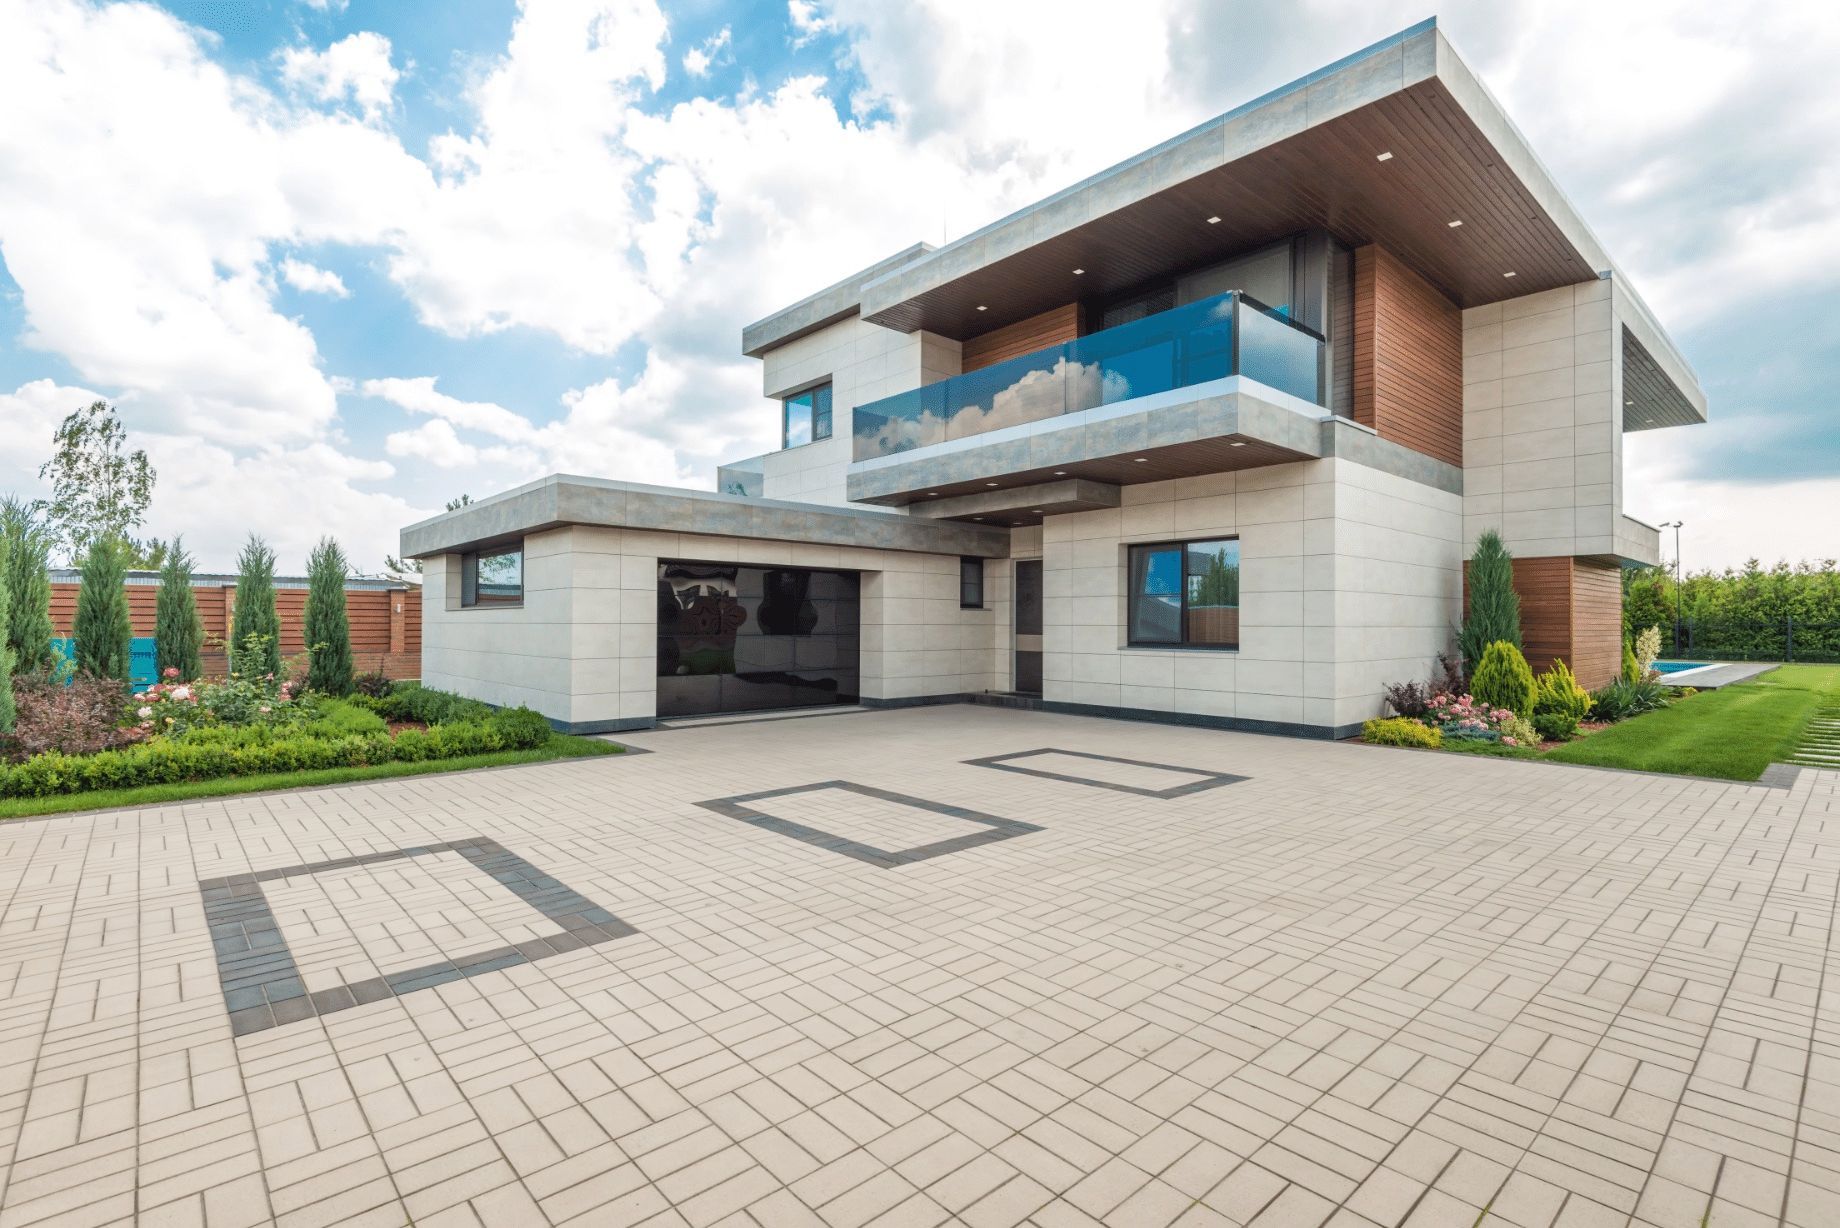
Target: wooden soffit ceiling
{"x": 1330, "y": 176}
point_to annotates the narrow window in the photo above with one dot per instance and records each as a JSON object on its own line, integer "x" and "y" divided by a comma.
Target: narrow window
{"x": 971, "y": 584}
{"x": 493, "y": 577}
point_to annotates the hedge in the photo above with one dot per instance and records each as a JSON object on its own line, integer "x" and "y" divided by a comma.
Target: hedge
{"x": 256, "y": 751}
{"x": 1398, "y": 731}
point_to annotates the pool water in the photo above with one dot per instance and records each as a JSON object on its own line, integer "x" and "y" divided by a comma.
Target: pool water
{"x": 1674, "y": 667}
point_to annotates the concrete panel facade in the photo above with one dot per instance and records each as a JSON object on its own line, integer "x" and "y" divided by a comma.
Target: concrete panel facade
{"x": 863, "y": 362}
{"x": 582, "y": 649}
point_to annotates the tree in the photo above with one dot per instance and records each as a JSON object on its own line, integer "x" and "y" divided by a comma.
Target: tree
{"x": 101, "y": 629}
{"x": 255, "y": 627}
{"x": 328, "y": 629}
{"x": 1219, "y": 583}
{"x": 6, "y": 652}
{"x": 402, "y": 569}
{"x": 27, "y": 630}
{"x": 178, "y": 631}
{"x": 1503, "y": 679}
{"x": 98, "y": 487}
{"x": 1494, "y": 609}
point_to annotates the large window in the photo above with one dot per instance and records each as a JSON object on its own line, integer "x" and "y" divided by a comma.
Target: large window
{"x": 970, "y": 584}
{"x": 493, "y": 577}
{"x": 807, "y": 416}
{"x": 1185, "y": 594}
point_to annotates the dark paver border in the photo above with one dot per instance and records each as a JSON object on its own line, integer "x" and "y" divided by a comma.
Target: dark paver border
{"x": 263, "y": 987}
{"x": 1210, "y": 779}
{"x": 996, "y": 828}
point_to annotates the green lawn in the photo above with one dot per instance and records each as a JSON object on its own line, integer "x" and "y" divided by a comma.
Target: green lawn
{"x": 560, "y": 746}
{"x": 1732, "y": 733}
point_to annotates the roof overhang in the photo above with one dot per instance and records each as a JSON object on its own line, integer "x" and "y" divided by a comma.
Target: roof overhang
{"x": 1305, "y": 156}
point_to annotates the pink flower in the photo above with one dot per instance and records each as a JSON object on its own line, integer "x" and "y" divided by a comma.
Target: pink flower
{"x": 171, "y": 671}
{"x": 1509, "y": 742}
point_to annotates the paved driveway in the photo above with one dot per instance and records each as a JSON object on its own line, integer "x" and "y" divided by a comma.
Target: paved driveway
{"x": 1276, "y": 982}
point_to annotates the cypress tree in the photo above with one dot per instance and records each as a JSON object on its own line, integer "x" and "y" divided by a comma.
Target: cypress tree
{"x": 328, "y": 629}
{"x": 1494, "y": 613}
{"x": 101, "y": 628}
{"x": 6, "y": 651}
{"x": 178, "y": 631}
{"x": 255, "y": 614}
{"x": 27, "y": 577}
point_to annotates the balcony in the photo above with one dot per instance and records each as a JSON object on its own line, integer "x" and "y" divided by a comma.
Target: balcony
{"x": 1204, "y": 341}
{"x": 1220, "y": 384}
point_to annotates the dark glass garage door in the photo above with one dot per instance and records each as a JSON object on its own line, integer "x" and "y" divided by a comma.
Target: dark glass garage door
{"x": 747, "y": 639}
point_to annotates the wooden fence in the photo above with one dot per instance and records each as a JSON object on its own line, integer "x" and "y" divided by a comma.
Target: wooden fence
{"x": 386, "y": 619}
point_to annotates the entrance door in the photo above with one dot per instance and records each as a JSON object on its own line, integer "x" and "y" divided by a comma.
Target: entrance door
{"x": 1028, "y": 626}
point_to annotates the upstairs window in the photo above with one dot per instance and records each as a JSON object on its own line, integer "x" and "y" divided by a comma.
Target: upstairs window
{"x": 807, "y": 417}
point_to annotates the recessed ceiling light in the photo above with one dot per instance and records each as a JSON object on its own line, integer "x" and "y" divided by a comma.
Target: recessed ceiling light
{"x": 1060, "y": 473}
{"x": 1384, "y": 157}
{"x": 1236, "y": 443}
{"x": 977, "y": 518}
{"x": 932, "y": 494}
{"x": 1213, "y": 220}
{"x": 1035, "y": 511}
{"x": 1454, "y": 224}
{"x": 981, "y": 307}
{"x": 1077, "y": 272}
{"x": 990, "y": 483}
{"x": 1142, "y": 460}
{"x": 1508, "y": 274}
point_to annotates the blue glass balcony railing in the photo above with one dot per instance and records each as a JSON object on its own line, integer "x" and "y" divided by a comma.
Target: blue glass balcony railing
{"x": 1225, "y": 335}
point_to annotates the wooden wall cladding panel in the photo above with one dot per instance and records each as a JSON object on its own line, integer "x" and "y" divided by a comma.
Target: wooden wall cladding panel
{"x": 1597, "y": 623}
{"x": 1572, "y": 611}
{"x": 1408, "y": 357}
{"x": 1052, "y": 327}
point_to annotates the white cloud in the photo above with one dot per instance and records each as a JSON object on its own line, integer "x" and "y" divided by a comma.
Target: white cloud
{"x": 311, "y": 279}
{"x": 705, "y": 55}
{"x": 356, "y": 68}
{"x": 807, "y": 20}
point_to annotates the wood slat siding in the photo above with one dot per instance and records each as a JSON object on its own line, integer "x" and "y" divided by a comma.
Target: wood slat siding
{"x": 1052, "y": 327}
{"x": 380, "y": 638}
{"x": 1571, "y": 610}
{"x": 1408, "y": 357}
{"x": 1597, "y": 623}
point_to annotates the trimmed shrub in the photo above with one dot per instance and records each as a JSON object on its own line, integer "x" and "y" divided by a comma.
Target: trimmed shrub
{"x": 255, "y": 626}
{"x": 1556, "y": 726}
{"x": 411, "y": 701}
{"x": 178, "y": 631}
{"x": 520, "y": 728}
{"x": 1558, "y": 693}
{"x": 1503, "y": 679}
{"x": 374, "y": 683}
{"x": 104, "y": 637}
{"x": 1494, "y": 611}
{"x": 1397, "y": 731}
{"x": 327, "y": 626}
{"x": 1632, "y": 668}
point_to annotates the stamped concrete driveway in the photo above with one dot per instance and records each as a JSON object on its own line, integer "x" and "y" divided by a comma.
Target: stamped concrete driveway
{"x": 940, "y": 965}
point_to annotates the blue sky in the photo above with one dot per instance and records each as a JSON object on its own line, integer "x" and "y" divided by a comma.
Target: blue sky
{"x": 338, "y": 262}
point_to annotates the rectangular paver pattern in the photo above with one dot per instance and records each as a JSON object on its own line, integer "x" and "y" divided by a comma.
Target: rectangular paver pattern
{"x": 1357, "y": 987}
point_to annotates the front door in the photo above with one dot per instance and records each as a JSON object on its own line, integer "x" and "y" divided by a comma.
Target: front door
{"x": 1028, "y": 626}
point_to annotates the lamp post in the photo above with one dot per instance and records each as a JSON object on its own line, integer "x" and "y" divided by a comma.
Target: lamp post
{"x": 1675, "y": 525}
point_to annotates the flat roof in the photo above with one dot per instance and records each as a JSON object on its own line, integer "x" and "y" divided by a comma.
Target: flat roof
{"x": 1306, "y": 155}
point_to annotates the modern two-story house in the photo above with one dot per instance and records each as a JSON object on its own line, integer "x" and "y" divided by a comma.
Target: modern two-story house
{"x": 1204, "y": 438}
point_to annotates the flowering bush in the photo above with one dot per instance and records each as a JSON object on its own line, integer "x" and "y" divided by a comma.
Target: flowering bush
{"x": 1460, "y": 718}
{"x": 77, "y": 716}
{"x": 172, "y": 707}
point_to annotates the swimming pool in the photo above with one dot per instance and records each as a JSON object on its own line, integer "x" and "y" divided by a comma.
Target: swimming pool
{"x": 1675, "y": 667}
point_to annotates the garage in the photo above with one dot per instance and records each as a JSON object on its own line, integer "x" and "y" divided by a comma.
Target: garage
{"x": 734, "y": 638}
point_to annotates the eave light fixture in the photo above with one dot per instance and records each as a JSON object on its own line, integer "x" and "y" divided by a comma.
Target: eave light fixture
{"x": 1454, "y": 223}
{"x": 1213, "y": 220}
{"x": 1060, "y": 473}
{"x": 982, "y": 307}
{"x": 1510, "y": 273}
{"x": 1236, "y": 443}
{"x": 1141, "y": 460}
{"x": 1077, "y": 272}
{"x": 1386, "y": 156}
{"x": 990, "y": 483}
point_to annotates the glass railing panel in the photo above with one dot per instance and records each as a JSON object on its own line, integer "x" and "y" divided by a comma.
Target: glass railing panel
{"x": 1278, "y": 353}
{"x": 1171, "y": 349}
{"x": 899, "y": 423}
{"x": 1008, "y": 393}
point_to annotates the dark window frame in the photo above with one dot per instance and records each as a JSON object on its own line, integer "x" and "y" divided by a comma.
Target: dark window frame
{"x": 469, "y": 577}
{"x": 968, "y": 581}
{"x": 820, "y": 413}
{"x": 1181, "y": 548}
